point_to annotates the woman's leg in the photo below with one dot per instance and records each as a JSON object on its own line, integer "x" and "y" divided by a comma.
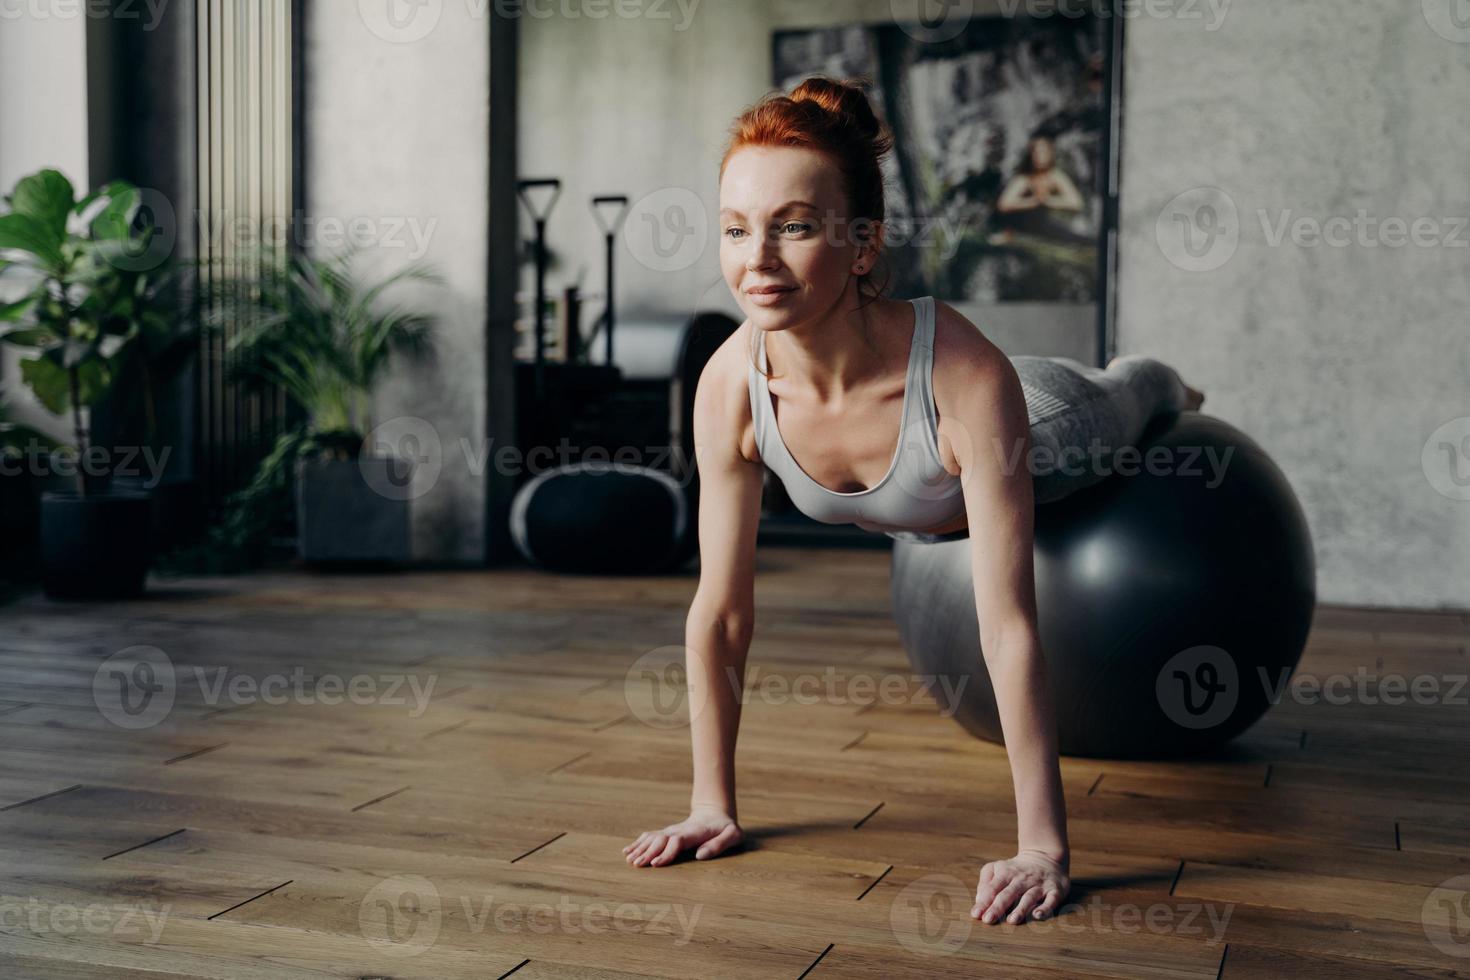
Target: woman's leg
{"x": 1081, "y": 415}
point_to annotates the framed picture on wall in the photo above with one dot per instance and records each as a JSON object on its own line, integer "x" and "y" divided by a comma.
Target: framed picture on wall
{"x": 1001, "y": 192}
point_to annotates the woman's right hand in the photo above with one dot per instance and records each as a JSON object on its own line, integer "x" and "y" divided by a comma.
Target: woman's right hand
{"x": 710, "y": 829}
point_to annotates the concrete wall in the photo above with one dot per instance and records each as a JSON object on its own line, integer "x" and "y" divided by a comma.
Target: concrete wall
{"x": 1342, "y": 360}
{"x": 42, "y": 124}
{"x": 396, "y": 123}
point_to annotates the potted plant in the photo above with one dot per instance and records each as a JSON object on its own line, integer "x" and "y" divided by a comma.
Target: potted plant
{"x": 19, "y": 445}
{"x": 315, "y": 328}
{"x": 90, "y": 286}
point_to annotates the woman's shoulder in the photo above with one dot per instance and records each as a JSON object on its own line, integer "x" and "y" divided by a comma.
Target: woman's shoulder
{"x": 971, "y": 374}
{"x": 959, "y": 343}
{"x": 724, "y": 388}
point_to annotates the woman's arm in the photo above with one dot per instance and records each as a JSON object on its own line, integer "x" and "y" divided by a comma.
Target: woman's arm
{"x": 989, "y": 432}
{"x": 1062, "y": 194}
{"x": 721, "y": 620}
{"x": 1017, "y": 196}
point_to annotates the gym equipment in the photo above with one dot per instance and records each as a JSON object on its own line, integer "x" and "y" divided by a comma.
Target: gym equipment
{"x": 601, "y": 518}
{"x": 645, "y": 402}
{"x": 1173, "y": 600}
{"x": 609, "y": 231}
{"x": 540, "y": 217}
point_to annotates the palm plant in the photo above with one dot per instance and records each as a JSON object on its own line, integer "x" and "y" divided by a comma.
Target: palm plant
{"x": 315, "y": 329}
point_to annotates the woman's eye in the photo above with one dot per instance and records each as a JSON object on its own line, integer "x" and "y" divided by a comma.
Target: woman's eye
{"x": 801, "y": 228}
{"x": 730, "y": 232}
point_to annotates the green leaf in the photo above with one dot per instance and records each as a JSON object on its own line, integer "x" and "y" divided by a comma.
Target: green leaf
{"x": 115, "y": 221}
{"x": 11, "y": 312}
{"x": 46, "y": 197}
{"x": 28, "y": 336}
{"x": 25, "y": 233}
{"x": 108, "y": 190}
{"x": 51, "y": 383}
{"x": 48, "y": 382}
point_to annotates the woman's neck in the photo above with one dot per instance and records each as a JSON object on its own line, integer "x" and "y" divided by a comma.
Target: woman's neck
{"x": 837, "y": 352}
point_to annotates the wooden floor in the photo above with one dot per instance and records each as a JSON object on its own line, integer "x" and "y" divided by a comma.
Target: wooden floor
{"x": 250, "y": 830}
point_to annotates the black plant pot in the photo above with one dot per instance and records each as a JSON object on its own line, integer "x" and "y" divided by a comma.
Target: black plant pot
{"x": 95, "y": 547}
{"x": 353, "y": 510}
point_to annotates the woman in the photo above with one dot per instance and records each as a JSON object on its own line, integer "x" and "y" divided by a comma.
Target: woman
{"x": 801, "y": 216}
{"x": 1040, "y": 183}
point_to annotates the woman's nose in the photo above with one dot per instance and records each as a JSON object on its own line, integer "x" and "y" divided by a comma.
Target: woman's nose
{"x": 763, "y": 252}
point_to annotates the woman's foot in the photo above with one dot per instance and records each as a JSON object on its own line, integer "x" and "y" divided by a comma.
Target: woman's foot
{"x": 1193, "y": 397}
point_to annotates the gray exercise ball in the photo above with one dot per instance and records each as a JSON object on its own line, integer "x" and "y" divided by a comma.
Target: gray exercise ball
{"x": 1173, "y": 603}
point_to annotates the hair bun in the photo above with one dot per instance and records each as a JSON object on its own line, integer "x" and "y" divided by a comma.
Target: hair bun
{"x": 847, "y": 99}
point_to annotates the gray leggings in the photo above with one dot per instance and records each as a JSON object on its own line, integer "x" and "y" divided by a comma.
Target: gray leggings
{"x": 1079, "y": 416}
{"x": 1082, "y": 414}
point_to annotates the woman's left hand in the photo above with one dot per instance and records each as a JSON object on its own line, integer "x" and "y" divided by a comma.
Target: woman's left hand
{"x": 1029, "y": 885}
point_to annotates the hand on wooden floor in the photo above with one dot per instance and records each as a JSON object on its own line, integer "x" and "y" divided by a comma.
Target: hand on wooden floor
{"x": 711, "y": 830}
{"x": 1029, "y": 885}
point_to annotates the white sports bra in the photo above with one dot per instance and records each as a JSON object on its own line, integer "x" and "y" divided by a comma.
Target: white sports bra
{"x": 916, "y": 493}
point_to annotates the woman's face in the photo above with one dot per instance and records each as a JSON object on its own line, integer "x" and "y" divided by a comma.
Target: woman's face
{"x": 1043, "y": 154}
{"x": 783, "y": 223}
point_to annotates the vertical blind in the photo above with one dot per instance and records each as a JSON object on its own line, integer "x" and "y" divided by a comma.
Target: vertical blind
{"x": 245, "y": 77}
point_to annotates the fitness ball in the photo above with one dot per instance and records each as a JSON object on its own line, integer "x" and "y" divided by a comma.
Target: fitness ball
{"x": 602, "y": 518}
{"x": 1174, "y": 596}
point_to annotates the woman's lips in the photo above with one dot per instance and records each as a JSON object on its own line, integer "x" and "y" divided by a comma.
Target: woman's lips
{"x": 770, "y": 299}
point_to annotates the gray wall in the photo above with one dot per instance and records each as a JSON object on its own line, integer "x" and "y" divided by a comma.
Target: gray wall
{"x": 36, "y": 133}
{"x": 1340, "y": 361}
{"x": 396, "y": 135}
